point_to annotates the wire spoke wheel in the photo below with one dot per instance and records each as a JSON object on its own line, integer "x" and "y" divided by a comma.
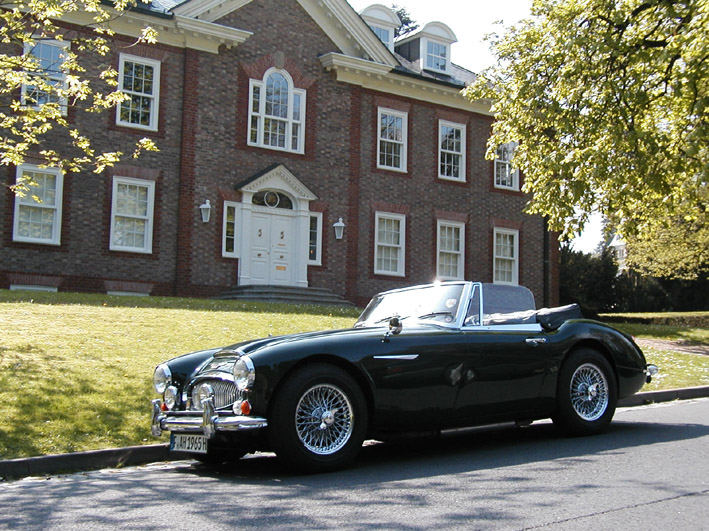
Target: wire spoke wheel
{"x": 589, "y": 392}
{"x": 324, "y": 419}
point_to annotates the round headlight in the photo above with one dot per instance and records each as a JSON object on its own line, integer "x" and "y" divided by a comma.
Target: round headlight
{"x": 170, "y": 397}
{"x": 244, "y": 373}
{"x": 162, "y": 377}
{"x": 201, "y": 392}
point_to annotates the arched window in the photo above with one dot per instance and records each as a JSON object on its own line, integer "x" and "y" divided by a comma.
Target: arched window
{"x": 276, "y": 112}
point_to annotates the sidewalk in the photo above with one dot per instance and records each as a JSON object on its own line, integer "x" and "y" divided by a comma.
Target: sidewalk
{"x": 140, "y": 455}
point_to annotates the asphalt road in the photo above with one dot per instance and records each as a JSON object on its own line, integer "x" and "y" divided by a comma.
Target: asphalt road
{"x": 651, "y": 470}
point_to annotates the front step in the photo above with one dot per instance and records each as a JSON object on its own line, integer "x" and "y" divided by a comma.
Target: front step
{"x": 285, "y": 294}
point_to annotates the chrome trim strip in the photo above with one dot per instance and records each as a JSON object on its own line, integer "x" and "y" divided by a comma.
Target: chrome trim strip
{"x": 397, "y": 357}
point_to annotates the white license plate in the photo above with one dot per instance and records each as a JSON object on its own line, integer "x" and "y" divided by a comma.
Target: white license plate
{"x": 182, "y": 442}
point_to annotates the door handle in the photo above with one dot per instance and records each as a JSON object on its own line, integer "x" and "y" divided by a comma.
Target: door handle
{"x": 534, "y": 341}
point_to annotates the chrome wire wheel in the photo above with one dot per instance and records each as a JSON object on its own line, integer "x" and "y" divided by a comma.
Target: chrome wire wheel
{"x": 324, "y": 419}
{"x": 589, "y": 392}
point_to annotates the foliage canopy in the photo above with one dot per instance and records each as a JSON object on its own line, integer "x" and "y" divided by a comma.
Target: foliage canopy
{"x": 607, "y": 100}
{"x": 36, "y": 92}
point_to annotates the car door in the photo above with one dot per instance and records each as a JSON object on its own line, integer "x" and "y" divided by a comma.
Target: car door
{"x": 503, "y": 373}
{"x": 416, "y": 377}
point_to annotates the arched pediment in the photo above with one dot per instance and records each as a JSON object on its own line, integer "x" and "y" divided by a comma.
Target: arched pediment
{"x": 279, "y": 178}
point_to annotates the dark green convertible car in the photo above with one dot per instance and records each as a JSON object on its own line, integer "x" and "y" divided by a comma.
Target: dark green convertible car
{"x": 424, "y": 358}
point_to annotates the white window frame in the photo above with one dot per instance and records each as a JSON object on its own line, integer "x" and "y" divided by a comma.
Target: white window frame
{"x": 425, "y": 55}
{"x": 155, "y": 105}
{"x": 389, "y": 43}
{"x": 260, "y": 115}
{"x": 237, "y": 219}
{"x": 149, "y": 218}
{"x": 27, "y": 201}
{"x": 28, "y": 47}
{"x": 461, "y": 153}
{"x": 510, "y": 170}
{"x": 461, "y": 252}
{"x": 401, "y": 262}
{"x": 404, "y": 138}
{"x": 318, "y": 243}
{"x": 515, "y": 259}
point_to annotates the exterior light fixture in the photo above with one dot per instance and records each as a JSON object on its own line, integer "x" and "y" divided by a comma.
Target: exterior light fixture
{"x": 205, "y": 209}
{"x": 339, "y": 229}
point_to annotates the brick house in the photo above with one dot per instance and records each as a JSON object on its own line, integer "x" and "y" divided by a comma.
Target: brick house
{"x": 285, "y": 121}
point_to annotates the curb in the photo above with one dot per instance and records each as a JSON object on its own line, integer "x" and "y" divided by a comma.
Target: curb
{"x": 140, "y": 455}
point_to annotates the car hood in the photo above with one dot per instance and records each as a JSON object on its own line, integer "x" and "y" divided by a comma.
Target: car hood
{"x": 252, "y": 347}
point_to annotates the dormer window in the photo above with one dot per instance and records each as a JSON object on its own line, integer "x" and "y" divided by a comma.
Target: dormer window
{"x": 436, "y": 56}
{"x": 383, "y": 21}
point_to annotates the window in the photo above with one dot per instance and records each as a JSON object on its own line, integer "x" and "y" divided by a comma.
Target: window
{"x": 38, "y": 214}
{"x": 390, "y": 234}
{"x": 506, "y": 259}
{"x": 315, "y": 239}
{"x": 132, "y": 215}
{"x": 385, "y": 35}
{"x": 139, "y": 78}
{"x": 505, "y": 175}
{"x": 391, "y": 148}
{"x": 436, "y": 56}
{"x": 451, "y": 250}
{"x": 231, "y": 219}
{"x": 276, "y": 113}
{"x": 49, "y": 56}
{"x": 451, "y": 151}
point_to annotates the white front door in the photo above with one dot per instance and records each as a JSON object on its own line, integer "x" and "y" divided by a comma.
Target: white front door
{"x": 271, "y": 248}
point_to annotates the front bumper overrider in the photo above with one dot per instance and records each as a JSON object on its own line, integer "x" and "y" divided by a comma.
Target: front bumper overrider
{"x": 207, "y": 422}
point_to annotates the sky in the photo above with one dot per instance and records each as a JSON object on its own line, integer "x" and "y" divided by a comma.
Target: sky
{"x": 471, "y": 20}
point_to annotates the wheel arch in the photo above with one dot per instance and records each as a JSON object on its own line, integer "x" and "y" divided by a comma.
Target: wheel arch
{"x": 599, "y": 347}
{"x": 358, "y": 376}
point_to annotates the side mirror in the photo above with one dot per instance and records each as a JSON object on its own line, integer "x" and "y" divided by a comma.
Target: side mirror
{"x": 395, "y": 325}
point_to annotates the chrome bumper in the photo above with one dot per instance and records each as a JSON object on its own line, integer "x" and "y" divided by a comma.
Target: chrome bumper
{"x": 208, "y": 422}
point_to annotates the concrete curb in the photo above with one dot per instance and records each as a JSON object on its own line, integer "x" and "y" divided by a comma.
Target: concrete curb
{"x": 139, "y": 455}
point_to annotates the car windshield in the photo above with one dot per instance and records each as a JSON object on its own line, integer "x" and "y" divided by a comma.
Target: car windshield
{"x": 436, "y": 303}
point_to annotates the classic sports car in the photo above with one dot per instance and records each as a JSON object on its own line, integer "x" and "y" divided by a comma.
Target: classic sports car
{"x": 424, "y": 358}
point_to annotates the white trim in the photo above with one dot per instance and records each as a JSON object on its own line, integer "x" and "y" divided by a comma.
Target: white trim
{"x": 33, "y": 287}
{"x": 290, "y": 120}
{"x": 28, "y": 202}
{"x": 401, "y": 246}
{"x": 237, "y": 219}
{"x": 318, "y": 243}
{"x": 515, "y": 259}
{"x": 403, "y": 143}
{"x": 148, "y": 240}
{"x": 461, "y": 153}
{"x": 460, "y": 253}
{"x": 155, "y": 96}
{"x": 128, "y": 293}
{"x": 28, "y": 47}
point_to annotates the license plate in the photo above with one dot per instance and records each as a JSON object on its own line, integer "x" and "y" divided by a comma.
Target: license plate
{"x": 182, "y": 442}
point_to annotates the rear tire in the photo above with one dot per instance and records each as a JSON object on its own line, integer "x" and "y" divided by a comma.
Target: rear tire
{"x": 318, "y": 420}
{"x": 586, "y": 393}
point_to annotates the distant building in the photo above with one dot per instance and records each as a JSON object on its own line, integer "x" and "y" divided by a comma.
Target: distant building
{"x": 620, "y": 252}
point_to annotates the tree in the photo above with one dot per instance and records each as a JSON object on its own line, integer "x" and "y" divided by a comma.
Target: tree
{"x": 607, "y": 100}
{"x": 407, "y": 23}
{"x": 587, "y": 279}
{"x": 38, "y": 84}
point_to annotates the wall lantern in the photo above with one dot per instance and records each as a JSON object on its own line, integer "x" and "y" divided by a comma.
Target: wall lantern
{"x": 339, "y": 229}
{"x": 205, "y": 209}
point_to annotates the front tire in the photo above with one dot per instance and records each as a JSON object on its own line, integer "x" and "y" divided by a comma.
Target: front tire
{"x": 586, "y": 393}
{"x": 318, "y": 420}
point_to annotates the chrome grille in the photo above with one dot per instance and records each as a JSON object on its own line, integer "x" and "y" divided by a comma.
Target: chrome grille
{"x": 225, "y": 393}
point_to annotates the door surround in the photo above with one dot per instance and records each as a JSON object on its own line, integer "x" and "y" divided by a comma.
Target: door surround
{"x": 277, "y": 179}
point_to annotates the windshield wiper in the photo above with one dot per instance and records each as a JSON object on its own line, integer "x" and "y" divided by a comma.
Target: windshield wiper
{"x": 433, "y": 314}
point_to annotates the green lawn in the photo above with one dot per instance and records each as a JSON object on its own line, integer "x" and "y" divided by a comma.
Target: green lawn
{"x": 76, "y": 369}
{"x": 78, "y": 375}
